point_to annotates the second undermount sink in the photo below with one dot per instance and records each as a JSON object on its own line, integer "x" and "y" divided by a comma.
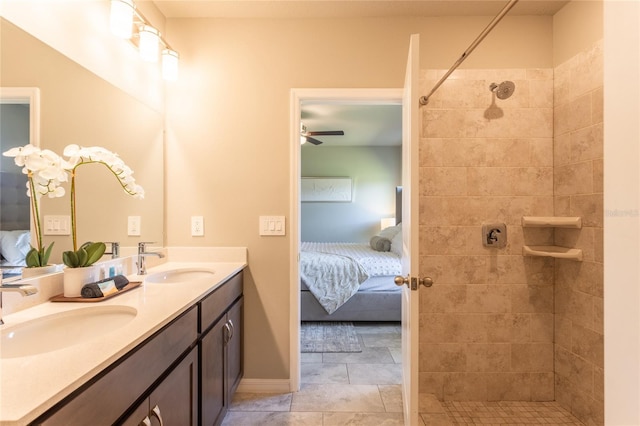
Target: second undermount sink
{"x": 179, "y": 275}
{"x": 63, "y": 329}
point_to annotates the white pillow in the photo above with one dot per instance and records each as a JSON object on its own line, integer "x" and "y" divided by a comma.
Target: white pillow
{"x": 396, "y": 242}
{"x": 389, "y": 232}
{"x": 14, "y": 246}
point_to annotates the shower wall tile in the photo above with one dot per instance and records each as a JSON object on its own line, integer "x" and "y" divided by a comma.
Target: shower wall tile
{"x": 487, "y": 323}
{"x": 578, "y": 183}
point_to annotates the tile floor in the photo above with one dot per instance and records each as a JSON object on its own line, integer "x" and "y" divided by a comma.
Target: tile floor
{"x": 363, "y": 389}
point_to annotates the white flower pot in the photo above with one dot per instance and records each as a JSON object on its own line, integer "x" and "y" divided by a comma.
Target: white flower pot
{"x": 75, "y": 278}
{"x": 39, "y": 270}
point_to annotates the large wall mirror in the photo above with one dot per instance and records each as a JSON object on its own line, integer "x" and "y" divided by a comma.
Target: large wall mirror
{"x": 77, "y": 106}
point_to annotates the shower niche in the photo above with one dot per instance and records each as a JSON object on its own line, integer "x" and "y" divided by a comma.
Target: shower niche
{"x": 557, "y": 252}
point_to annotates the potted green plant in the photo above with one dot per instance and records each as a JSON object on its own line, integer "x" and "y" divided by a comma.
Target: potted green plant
{"x": 80, "y": 259}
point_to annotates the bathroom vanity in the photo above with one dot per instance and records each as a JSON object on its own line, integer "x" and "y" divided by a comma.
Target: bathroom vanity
{"x": 183, "y": 369}
{"x": 160, "y": 378}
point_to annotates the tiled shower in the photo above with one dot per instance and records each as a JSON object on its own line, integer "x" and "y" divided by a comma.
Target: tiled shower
{"x": 496, "y": 325}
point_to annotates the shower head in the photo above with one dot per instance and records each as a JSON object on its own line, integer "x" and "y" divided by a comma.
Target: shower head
{"x": 503, "y": 90}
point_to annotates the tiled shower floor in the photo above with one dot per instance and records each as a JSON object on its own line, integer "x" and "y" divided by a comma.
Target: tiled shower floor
{"x": 508, "y": 413}
{"x": 364, "y": 389}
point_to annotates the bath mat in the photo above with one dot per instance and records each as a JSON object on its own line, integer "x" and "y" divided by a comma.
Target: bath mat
{"x": 329, "y": 337}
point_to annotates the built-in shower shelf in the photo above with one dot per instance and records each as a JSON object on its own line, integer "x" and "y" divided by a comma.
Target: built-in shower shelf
{"x": 551, "y": 222}
{"x": 553, "y": 251}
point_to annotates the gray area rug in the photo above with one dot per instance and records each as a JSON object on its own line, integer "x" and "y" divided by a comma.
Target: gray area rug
{"x": 329, "y": 337}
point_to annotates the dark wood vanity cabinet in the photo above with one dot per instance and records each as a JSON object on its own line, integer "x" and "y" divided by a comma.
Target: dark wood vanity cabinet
{"x": 174, "y": 401}
{"x": 186, "y": 373}
{"x": 220, "y": 350}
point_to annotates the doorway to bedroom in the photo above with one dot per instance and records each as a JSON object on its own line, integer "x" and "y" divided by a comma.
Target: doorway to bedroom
{"x": 350, "y": 198}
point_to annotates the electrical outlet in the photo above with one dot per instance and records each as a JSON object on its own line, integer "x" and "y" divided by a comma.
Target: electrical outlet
{"x": 133, "y": 226}
{"x": 197, "y": 226}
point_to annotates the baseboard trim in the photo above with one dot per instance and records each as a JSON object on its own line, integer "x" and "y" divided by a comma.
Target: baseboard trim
{"x": 264, "y": 386}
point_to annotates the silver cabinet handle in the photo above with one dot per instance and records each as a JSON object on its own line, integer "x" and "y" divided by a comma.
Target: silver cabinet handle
{"x": 156, "y": 413}
{"x": 232, "y": 328}
{"x": 145, "y": 422}
{"x": 227, "y": 335}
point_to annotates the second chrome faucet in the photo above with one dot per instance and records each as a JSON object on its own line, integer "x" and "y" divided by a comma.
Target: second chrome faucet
{"x": 142, "y": 253}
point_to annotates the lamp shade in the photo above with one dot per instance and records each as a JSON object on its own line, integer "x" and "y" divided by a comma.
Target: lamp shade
{"x": 170, "y": 60}
{"x": 387, "y": 222}
{"x": 149, "y": 43}
{"x": 121, "y": 19}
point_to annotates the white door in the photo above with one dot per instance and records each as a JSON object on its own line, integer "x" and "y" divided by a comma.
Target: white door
{"x": 410, "y": 211}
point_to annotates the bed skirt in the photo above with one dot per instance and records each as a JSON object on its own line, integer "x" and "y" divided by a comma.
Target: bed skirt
{"x": 362, "y": 306}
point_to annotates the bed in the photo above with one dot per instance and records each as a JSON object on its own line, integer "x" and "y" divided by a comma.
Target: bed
{"x": 371, "y": 294}
{"x": 14, "y": 222}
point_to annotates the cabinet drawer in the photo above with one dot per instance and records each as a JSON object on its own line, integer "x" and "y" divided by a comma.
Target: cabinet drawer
{"x": 104, "y": 401}
{"x": 216, "y": 303}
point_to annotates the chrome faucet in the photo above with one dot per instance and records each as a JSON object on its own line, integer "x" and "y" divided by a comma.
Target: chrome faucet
{"x": 115, "y": 249}
{"x": 23, "y": 289}
{"x": 142, "y": 267}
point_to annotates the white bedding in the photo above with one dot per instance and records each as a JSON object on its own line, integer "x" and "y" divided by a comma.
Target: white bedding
{"x": 376, "y": 263}
{"x": 333, "y": 272}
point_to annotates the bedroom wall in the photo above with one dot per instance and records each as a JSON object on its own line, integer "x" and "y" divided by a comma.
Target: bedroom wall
{"x": 228, "y": 127}
{"x": 14, "y": 203}
{"x": 375, "y": 173}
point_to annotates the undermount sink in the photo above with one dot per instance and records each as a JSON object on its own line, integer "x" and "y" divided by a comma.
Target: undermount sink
{"x": 63, "y": 329}
{"x": 179, "y": 276}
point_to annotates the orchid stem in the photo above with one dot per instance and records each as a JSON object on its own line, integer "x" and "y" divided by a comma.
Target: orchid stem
{"x": 73, "y": 209}
{"x": 35, "y": 212}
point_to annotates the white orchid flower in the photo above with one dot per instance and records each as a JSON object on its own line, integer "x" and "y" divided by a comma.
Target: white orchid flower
{"x": 45, "y": 173}
{"x": 79, "y": 155}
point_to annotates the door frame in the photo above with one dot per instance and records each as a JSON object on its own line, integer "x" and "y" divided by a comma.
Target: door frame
{"x": 298, "y": 96}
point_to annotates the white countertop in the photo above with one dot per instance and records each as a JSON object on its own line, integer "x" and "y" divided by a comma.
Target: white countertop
{"x": 30, "y": 385}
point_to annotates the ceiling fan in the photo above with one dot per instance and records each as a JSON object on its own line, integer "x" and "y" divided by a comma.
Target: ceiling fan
{"x": 306, "y": 136}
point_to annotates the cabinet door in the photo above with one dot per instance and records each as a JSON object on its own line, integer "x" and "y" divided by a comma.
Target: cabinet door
{"x": 234, "y": 348}
{"x": 177, "y": 395}
{"x": 175, "y": 399}
{"x": 212, "y": 348}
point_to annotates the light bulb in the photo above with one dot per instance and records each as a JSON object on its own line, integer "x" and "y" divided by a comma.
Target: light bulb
{"x": 121, "y": 20}
{"x": 149, "y": 43}
{"x": 170, "y": 64}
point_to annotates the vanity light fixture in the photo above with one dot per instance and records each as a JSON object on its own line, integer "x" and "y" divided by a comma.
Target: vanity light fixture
{"x": 121, "y": 21}
{"x": 149, "y": 43}
{"x": 129, "y": 23}
{"x": 170, "y": 64}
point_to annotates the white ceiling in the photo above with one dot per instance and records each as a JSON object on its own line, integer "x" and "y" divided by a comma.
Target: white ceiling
{"x": 377, "y": 125}
{"x": 370, "y": 125}
{"x": 348, "y": 8}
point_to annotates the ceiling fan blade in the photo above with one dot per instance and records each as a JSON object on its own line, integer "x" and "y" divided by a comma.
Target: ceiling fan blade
{"x": 327, "y": 133}
{"x": 313, "y": 141}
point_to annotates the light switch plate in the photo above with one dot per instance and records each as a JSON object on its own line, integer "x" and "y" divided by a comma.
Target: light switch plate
{"x": 197, "y": 226}
{"x": 133, "y": 226}
{"x": 272, "y": 225}
{"x": 57, "y": 225}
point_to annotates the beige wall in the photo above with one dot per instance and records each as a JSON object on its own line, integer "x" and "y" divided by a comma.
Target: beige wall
{"x": 622, "y": 207}
{"x": 228, "y": 127}
{"x": 576, "y": 27}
